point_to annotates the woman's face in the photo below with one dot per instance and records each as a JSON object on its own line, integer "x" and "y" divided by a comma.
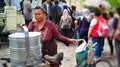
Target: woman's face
{"x": 39, "y": 15}
{"x": 108, "y": 16}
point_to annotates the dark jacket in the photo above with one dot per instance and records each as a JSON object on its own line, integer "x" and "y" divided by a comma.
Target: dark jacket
{"x": 55, "y": 13}
{"x": 83, "y": 25}
{"x": 44, "y": 5}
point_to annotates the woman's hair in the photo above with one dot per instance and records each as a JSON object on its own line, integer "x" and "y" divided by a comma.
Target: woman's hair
{"x": 63, "y": 1}
{"x": 111, "y": 14}
{"x": 101, "y": 6}
{"x": 42, "y": 9}
{"x": 73, "y": 7}
{"x": 97, "y": 13}
{"x": 56, "y": 2}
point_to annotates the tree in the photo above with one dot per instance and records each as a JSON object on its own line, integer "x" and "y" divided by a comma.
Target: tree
{"x": 114, "y": 3}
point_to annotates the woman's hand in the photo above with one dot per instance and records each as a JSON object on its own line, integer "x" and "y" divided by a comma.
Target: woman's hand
{"x": 73, "y": 41}
{"x": 23, "y": 24}
{"x": 117, "y": 35}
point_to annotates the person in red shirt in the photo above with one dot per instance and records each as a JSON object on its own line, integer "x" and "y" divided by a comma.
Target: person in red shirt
{"x": 93, "y": 33}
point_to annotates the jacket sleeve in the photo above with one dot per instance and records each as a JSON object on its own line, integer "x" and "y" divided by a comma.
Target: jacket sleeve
{"x": 57, "y": 35}
{"x": 80, "y": 24}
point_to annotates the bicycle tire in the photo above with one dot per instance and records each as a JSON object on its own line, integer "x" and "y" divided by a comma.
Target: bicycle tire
{"x": 102, "y": 63}
{"x": 5, "y": 60}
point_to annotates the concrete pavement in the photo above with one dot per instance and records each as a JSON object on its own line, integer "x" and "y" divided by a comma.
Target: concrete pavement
{"x": 69, "y": 54}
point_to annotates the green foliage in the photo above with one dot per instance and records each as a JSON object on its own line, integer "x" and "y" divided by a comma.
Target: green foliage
{"x": 1, "y": 23}
{"x": 92, "y": 9}
{"x": 82, "y": 1}
{"x": 1, "y": 9}
{"x": 114, "y": 3}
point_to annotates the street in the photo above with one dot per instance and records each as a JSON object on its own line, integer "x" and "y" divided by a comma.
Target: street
{"x": 69, "y": 54}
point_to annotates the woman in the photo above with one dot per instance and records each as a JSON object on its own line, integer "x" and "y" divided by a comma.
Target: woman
{"x": 83, "y": 24}
{"x": 27, "y": 11}
{"x": 110, "y": 33}
{"x": 66, "y": 21}
{"x": 49, "y": 32}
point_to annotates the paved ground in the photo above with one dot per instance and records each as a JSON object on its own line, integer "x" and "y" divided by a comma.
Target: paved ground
{"x": 69, "y": 54}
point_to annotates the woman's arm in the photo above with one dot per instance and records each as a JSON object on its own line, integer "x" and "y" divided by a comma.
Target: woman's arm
{"x": 117, "y": 32}
{"x": 89, "y": 31}
{"x": 76, "y": 24}
{"x": 56, "y": 34}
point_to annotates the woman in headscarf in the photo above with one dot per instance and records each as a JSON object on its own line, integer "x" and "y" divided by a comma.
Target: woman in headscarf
{"x": 83, "y": 24}
{"x": 66, "y": 21}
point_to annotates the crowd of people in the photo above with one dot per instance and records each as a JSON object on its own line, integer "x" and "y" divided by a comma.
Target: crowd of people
{"x": 57, "y": 20}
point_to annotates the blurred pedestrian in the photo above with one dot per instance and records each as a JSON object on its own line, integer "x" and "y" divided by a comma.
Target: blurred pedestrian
{"x": 27, "y": 11}
{"x": 55, "y": 13}
{"x": 47, "y": 6}
{"x": 66, "y": 21}
{"x": 110, "y": 33}
{"x": 93, "y": 32}
{"x": 21, "y": 6}
{"x": 2, "y": 3}
{"x": 117, "y": 37}
{"x": 73, "y": 15}
{"x": 83, "y": 24}
{"x": 101, "y": 8}
{"x": 60, "y": 4}
{"x": 65, "y": 5}
{"x": 76, "y": 23}
{"x": 103, "y": 13}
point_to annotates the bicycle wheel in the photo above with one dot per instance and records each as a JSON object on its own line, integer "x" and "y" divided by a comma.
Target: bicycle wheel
{"x": 102, "y": 63}
{"x": 5, "y": 60}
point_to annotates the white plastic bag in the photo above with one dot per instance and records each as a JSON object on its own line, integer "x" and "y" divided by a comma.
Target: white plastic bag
{"x": 81, "y": 47}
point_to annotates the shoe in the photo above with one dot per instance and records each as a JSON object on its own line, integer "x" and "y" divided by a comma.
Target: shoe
{"x": 59, "y": 56}
{"x": 56, "y": 59}
{"x": 97, "y": 59}
{"x": 110, "y": 56}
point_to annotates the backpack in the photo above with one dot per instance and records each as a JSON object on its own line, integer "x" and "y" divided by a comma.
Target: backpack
{"x": 103, "y": 28}
{"x": 55, "y": 13}
{"x": 83, "y": 24}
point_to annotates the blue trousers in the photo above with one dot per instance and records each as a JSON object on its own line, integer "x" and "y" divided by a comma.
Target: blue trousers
{"x": 99, "y": 46}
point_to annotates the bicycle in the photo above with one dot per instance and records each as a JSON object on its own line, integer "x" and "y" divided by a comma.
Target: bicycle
{"x": 85, "y": 58}
{"x": 5, "y": 60}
